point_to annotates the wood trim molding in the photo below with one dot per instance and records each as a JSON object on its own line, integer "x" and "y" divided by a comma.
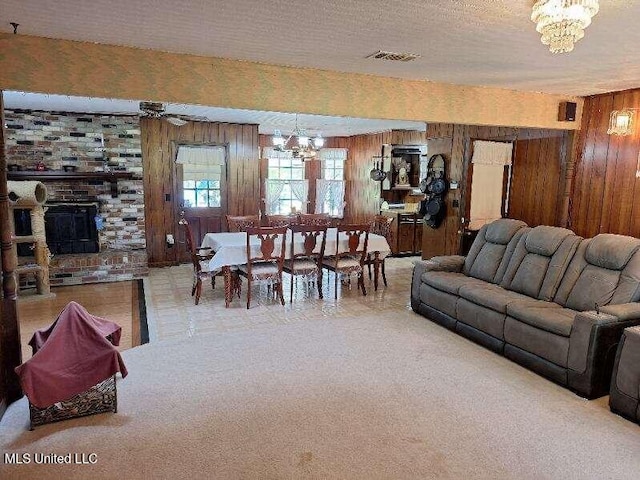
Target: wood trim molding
{"x": 10, "y": 350}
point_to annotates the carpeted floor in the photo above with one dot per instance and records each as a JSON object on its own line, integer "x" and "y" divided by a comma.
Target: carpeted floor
{"x": 390, "y": 395}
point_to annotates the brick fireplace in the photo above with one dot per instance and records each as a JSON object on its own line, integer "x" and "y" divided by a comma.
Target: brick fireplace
{"x": 110, "y": 231}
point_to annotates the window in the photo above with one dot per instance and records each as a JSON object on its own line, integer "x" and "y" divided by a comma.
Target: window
{"x": 202, "y": 168}
{"x": 286, "y": 187}
{"x": 330, "y": 188}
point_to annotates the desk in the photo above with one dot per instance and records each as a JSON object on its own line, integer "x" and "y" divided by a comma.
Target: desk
{"x": 231, "y": 250}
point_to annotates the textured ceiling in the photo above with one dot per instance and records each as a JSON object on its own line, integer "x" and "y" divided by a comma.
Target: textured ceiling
{"x": 473, "y": 42}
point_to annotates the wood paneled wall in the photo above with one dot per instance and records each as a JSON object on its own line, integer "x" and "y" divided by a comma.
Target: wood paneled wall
{"x": 538, "y": 190}
{"x": 540, "y": 166}
{"x": 528, "y": 162}
{"x": 362, "y": 195}
{"x": 159, "y": 139}
{"x": 606, "y": 191}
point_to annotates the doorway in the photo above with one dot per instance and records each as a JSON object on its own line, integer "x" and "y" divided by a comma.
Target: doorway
{"x": 201, "y": 173}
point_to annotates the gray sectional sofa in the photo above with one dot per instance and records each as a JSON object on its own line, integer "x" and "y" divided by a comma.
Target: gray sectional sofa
{"x": 543, "y": 297}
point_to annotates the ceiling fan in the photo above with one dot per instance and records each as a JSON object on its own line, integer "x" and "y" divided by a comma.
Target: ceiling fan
{"x": 157, "y": 110}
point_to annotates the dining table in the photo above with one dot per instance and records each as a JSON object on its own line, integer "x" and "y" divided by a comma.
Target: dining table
{"x": 230, "y": 250}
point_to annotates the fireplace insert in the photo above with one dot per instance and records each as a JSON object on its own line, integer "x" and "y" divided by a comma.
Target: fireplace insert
{"x": 71, "y": 228}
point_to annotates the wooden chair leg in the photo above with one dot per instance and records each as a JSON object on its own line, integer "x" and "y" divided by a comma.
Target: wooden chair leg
{"x": 369, "y": 264}
{"x": 280, "y": 292}
{"x": 293, "y": 279}
{"x": 193, "y": 287}
{"x": 384, "y": 277}
{"x": 361, "y": 283}
{"x": 248, "y": 292}
{"x": 198, "y": 289}
{"x": 213, "y": 281}
{"x": 335, "y": 284}
{"x": 319, "y": 282}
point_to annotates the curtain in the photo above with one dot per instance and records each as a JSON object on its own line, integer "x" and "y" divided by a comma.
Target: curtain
{"x": 273, "y": 191}
{"x": 489, "y": 161}
{"x": 270, "y": 152}
{"x": 492, "y": 153}
{"x": 300, "y": 191}
{"x": 332, "y": 154}
{"x": 331, "y": 192}
{"x": 201, "y": 163}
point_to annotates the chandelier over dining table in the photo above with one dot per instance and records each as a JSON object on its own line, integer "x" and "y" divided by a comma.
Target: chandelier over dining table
{"x": 299, "y": 142}
{"x": 562, "y": 22}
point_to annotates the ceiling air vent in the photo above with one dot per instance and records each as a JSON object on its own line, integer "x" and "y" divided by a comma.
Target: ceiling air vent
{"x": 396, "y": 57}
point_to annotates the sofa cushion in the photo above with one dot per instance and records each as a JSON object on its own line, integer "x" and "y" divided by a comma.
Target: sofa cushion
{"x": 448, "y": 281}
{"x": 492, "y": 248}
{"x": 595, "y": 285}
{"x": 605, "y": 270}
{"x": 502, "y": 231}
{"x": 544, "y": 315}
{"x": 539, "y": 261}
{"x": 611, "y": 251}
{"x": 544, "y": 344}
{"x": 442, "y": 301}
{"x": 490, "y": 296}
{"x": 544, "y": 240}
{"x": 481, "y": 318}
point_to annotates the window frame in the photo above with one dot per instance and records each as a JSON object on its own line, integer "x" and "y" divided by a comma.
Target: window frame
{"x": 179, "y": 168}
{"x": 337, "y": 212}
{"x": 289, "y": 201}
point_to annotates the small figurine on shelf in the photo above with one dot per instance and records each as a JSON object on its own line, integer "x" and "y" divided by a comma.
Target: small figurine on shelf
{"x": 402, "y": 168}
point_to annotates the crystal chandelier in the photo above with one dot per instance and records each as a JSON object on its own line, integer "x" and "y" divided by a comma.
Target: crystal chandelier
{"x": 304, "y": 147}
{"x": 562, "y": 22}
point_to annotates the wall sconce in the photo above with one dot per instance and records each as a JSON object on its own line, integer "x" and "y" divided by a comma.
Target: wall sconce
{"x": 622, "y": 122}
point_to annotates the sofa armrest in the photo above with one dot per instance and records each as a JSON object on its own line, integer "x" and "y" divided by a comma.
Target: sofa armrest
{"x": 623, "y": 311}
{"x": 592, "y": 345}
{"x": 450, "y": 263}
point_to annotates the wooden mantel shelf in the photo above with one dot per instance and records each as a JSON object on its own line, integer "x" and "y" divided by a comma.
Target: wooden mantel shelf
{"x": 58, "y": 175}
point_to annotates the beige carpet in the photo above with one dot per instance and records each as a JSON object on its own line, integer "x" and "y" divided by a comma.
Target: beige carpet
{"x": 366, "y": 397}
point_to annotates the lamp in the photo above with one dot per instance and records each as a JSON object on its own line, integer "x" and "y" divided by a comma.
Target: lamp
{"x": 621, "y": 122}
{"x": 305, "y": 148}
{"x": 562, "y": 22}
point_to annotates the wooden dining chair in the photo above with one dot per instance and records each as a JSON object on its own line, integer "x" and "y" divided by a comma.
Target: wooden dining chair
{"x": 318, "y": 219}
{"x": 351, "y": 260}
{"x": 241, "y": 223}
{"x": 305, "y": 259}
{"x": 381, "y": 225}
{"x": 200, "y": 259}
{"x": 281, "y": 220}
{"x": 267, "y": 263}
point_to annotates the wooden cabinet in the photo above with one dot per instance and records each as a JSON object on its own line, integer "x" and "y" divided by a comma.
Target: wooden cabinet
{"x": 406, "y": 233}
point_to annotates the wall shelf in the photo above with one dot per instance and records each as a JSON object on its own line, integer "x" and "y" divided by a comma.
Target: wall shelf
{"x": 58, "y": 175}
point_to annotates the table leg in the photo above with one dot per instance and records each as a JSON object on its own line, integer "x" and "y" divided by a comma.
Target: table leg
{"x": 228, "y": 286}
{"x": 376, "y": 269}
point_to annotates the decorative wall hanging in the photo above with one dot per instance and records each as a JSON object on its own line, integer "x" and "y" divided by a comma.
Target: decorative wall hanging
{"x": 435, "y": 186}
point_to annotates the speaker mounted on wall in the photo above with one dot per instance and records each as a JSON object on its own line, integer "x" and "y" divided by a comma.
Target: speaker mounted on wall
{"x": 567, "y": 112}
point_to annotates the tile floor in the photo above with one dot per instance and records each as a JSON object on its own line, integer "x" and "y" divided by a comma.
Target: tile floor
{"x": 172, "y": 313}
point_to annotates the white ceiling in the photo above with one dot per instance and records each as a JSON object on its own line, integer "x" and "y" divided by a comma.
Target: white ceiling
{"x": 473, "y": 42}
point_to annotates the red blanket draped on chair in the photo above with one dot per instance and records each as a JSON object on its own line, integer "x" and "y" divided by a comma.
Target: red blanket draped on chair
{"x": 72, "y": 355}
